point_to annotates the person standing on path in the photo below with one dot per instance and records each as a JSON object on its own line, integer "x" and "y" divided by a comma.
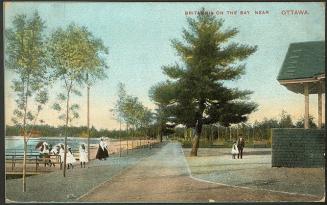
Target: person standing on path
{"x": 102, "y": 152}
{"x": 234, "y": 150}
{"x": 240, "y": 147}
{"x": 62, "y": 154}
{"x": 70, "y": 160}
{"x": 82, "y": 155}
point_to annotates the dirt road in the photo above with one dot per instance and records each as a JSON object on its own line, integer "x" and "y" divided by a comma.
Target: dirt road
{"x": 165, "y": 177}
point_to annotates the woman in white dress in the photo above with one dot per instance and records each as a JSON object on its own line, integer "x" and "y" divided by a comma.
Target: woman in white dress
{"x": 82, "y": 155}
{"x": 234, "y": 150}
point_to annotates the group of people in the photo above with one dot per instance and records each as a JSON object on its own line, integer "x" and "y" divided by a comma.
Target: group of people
{"x": 237, "y": 148}
{"x": 59, "y": 149}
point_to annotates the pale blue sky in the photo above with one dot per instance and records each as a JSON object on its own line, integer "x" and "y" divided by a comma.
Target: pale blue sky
{"x": 138, "y": 36}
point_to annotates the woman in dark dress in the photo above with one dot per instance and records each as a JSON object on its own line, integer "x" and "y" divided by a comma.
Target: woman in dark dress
{"x": 102, "y": 152}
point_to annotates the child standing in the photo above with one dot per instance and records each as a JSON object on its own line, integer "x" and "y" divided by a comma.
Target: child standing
{"x": 70, "y": 159}
{"x": 82, "y": 155}
{"x": 234, "y": 150}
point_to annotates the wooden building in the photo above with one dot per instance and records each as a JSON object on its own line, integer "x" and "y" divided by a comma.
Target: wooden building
{"x": 303, "y": 71}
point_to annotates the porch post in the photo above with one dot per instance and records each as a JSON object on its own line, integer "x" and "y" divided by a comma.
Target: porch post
{"x": 319, "y": 104}
{"x": 306, "y": 106}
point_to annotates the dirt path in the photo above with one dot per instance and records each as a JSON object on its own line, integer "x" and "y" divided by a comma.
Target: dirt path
{"x": 165, "y": 177}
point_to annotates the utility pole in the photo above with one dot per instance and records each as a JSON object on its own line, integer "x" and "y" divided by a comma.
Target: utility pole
{"x": 88, "y": 121}
{"x": 119, "y": 138}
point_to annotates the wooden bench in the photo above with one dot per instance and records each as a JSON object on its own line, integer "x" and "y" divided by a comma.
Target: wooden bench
{"x": 55, "y": 159}
{"x": 32, "y": 159}
{"x": 18, "y": 158}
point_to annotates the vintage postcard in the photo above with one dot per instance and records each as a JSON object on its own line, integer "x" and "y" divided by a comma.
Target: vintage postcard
{"x": 164, "y": 102}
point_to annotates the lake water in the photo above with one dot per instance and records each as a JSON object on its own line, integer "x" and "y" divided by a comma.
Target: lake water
{"x": 16, "y": 143}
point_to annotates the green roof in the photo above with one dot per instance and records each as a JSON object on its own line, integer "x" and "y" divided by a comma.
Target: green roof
{"x": 303, "y": 60}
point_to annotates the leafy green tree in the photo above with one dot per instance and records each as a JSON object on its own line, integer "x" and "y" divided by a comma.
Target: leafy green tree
{"x": 131, "y": 111}
{"x": 125, "y": 109}
{"x": 285, "y": 120}
{"x": 162, "y": 118}
{"x": 25, "y": 55}
{"x": 119, "y": 109}
{"x": 269, "y": 123}
{"x": 300, "y": 122}
{"x": 195, "y": 93}
{"x": 73, "y": 55}
{"x": 132, "y": 108}
{"x": 145, "y": 118}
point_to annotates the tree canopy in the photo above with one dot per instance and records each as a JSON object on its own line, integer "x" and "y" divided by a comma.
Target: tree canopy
{"x": 26, "y": 56}
{"x": 130, "y": 110}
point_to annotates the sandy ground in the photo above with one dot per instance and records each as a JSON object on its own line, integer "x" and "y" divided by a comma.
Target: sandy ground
{"x": 53, "y": 187}
{"x": 165, "y": 173}
{"x": 165, "y": 177}
{"x": 254, "y": 171}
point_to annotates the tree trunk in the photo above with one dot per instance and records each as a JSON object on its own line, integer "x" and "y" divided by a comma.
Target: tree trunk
{"x": 196, "y": 139}
{"x": 195, "y": 145}
{"x": 127, "y": 138}
{"x": 67, "y": 117}
{"x": 88, "y": 122}
{"x": 132, "y": 140}
{"x": 160, "y": 135}
{"x": 25, "y": 139}
{"x": 141, "y": 134}
{"x": 24, "y": 163}
{"x": 119, "y": 138}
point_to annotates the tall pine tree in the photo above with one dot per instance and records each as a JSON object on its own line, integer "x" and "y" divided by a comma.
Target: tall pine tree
{"x": 196, "y": 94}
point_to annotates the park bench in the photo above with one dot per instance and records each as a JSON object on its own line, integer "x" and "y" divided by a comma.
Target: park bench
{"x": 55, "y": 159}
{"x": 35, "y": 159}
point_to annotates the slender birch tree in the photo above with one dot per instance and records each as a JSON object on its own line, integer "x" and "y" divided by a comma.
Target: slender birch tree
{"x": 25, "y": 54}
{"x": 119, "y": 111}
{"x": 74, "y": 57}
